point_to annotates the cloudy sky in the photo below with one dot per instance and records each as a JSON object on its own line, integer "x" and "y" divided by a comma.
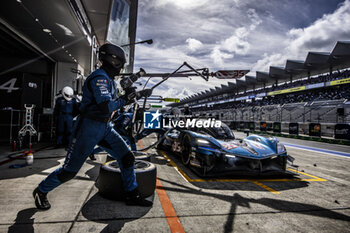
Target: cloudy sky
{"x": 233, "y": 34}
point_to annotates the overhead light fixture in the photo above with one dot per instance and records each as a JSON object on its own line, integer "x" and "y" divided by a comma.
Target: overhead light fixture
{"x": 47, "y": 30}
{"x": 150, "y": 41}
{"x": 19, "y": 1}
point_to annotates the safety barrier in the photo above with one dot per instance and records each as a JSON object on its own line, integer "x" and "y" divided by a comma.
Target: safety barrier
{"x": 342, "y": 131}
{"x": 295, "y": 129}
{"x": 315, "y": 129}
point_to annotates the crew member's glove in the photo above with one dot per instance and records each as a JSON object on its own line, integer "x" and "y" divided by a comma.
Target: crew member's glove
{"x": 144, "y": 93}
{"x": 130, "y": 94}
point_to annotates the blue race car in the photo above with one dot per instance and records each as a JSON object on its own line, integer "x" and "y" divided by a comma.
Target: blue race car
{"x": 214, "y": 151}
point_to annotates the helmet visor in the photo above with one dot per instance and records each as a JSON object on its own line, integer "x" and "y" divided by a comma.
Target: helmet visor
{"x": 114, "y": 60}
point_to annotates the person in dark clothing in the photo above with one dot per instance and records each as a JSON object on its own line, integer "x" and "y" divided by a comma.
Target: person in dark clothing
{"x": 187, "y": 110}
{"x": 65, "y": 109}
{"x": 93, "y": 127}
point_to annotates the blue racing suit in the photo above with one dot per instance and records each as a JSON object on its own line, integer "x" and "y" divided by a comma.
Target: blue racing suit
{"x": 120, "y": 124}
{"x": 93, "y": 127}
{"x": 64, "y": 111}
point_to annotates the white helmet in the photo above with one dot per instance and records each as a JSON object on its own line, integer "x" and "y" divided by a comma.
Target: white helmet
{"x": 67, "y": 93}
{"x": 186, "y": 106}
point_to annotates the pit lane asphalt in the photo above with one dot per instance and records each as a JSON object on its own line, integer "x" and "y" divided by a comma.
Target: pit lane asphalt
{"x": 316, "y": 200}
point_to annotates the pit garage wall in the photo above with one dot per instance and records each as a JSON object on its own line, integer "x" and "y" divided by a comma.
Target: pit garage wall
{"x": 29, "y": 84}
{"x": 63, "y": 75}
{"x": 34, "y": 83}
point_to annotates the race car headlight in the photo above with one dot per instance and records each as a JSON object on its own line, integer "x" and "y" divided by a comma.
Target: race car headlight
{"x": 230, "y": 156}
{"x": 280, "y": 148}
{"x": 202, "y": 142}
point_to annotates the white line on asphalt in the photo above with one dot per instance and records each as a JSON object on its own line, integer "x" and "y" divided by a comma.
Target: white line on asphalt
{"x": 315, "y": 150}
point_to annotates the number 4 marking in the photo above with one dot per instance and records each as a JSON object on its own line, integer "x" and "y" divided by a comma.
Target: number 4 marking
{"x": 9, "y": 85}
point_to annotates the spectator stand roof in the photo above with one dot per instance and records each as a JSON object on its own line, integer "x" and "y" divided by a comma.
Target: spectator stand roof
{"x": 251, "y": 81}
{"x": 340, "y": 56}
{"x": 279, "y": 74}
{"x": 295, "y": 67}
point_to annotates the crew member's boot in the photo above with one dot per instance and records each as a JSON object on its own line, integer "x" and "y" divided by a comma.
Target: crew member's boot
{"x": 92, "y": 157}
{"x": 134, "y": 198}
{"x": 41, "y": 200}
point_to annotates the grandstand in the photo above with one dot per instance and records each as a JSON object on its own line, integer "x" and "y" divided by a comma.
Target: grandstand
{"x": 314, "y": 91}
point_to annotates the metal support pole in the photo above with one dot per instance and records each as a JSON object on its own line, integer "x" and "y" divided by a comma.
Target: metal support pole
{"x": 11, "y": 125}
{"x": 281, "y": 115}
{"x": 310, "y": 115}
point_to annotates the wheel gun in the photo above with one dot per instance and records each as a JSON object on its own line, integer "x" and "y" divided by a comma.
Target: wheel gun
{"x": 128, "y": 81}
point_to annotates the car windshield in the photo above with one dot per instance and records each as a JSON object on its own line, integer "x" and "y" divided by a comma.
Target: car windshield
{"x": 223, "y": 131}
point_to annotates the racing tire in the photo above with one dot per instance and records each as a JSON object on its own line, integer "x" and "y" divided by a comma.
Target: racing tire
{"x": 142, "y": 156}
{"x": 110, "y": 184}
{"x": 187, "y": 150}
{"x": 138, "y": 156}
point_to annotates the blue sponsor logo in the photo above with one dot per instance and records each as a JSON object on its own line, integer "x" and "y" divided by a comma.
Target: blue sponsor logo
{"x": 152, "y": 120}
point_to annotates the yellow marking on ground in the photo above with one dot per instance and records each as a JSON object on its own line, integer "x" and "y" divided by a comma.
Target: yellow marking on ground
{"x": 265, "y": 187}
{"x": 315, "y": 177}
{"x": 184, "y": 175}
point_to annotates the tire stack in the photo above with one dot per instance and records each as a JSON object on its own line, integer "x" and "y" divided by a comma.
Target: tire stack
{"x": 110, "y": 182}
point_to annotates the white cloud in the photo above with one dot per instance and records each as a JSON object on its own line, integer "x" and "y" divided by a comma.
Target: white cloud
{"x": 269, "y": 60}
{"x": 174, "y": 93}
{"x": 239, "y": 3}
{"x": 219, "y": 56}
{"x": 183, "y": 4}
{"x": 323, "y": 33}
{"x": 320, "y": 36}
{"x": 238, "y": 42}
{"x": 241, "y": 32}
{"x": 193, "y": 44}
{"x": 254, "y": 17}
